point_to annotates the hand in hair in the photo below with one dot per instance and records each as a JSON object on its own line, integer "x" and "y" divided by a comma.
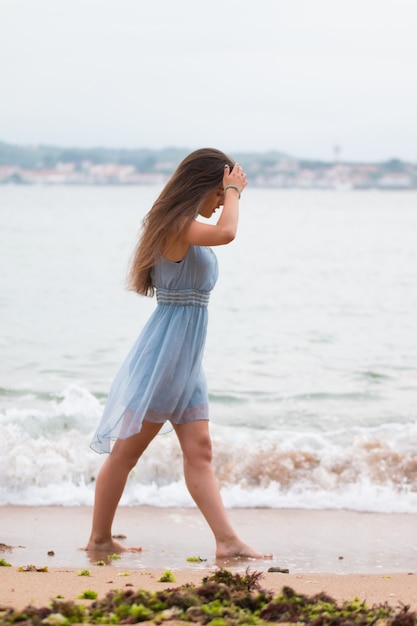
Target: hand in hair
{"x": 235, "y": 177}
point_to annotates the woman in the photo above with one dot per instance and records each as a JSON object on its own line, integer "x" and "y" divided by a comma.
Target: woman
{"x": 162, "y": 377}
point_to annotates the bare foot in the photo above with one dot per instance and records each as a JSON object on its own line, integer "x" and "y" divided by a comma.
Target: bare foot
{"x": 238, "y": 549}
{"x": 110, "y": 547}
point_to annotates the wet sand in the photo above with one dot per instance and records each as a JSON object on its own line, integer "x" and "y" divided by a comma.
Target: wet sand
{"x": 346, "y": 554}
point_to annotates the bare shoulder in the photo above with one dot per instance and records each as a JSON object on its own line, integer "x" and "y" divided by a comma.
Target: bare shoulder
{"x": 175, "y": 249}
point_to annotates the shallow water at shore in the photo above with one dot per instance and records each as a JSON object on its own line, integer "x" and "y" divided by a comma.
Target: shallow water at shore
{"x": 341, "y": 542}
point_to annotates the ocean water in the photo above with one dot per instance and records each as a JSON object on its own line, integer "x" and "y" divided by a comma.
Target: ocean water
{"x": 311, "y": 355}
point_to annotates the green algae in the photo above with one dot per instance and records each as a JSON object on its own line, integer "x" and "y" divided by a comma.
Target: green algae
{"x": 167, "y": 577}
{"x": 88, "y": 594}
{"x": 84, "y": 572}
{"x": 4, "y": 563}
{"x": 222, "y": 599}
{"x": 140, "y": 612}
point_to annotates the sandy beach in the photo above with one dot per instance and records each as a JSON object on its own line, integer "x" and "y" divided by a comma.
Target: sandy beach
{"x": 346, "y": 554}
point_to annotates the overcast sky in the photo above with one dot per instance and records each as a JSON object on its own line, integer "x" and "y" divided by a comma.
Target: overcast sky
{"x": 299, "y": 76}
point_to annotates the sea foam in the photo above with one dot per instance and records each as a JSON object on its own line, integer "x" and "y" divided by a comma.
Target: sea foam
{"x": 50, "y": 462}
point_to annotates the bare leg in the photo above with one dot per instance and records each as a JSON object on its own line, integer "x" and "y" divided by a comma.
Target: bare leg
{"x": 202, "y": 484}
{"x": 110, "y": 484}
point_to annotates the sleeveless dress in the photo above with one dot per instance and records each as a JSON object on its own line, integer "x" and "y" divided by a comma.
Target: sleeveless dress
{"x": 162, "y": 376}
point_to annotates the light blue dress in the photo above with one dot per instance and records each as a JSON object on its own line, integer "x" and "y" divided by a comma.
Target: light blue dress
{"x": 162, "y": 376}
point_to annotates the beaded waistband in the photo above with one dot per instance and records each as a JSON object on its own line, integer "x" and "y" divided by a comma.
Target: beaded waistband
{"x": 184, "y": 297}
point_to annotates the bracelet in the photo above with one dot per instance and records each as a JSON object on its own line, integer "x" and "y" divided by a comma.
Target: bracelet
{"x": 231, "y": 187}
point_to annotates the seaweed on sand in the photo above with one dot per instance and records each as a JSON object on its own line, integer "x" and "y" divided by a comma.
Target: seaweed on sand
{"x": 222, "y": 599}
{"x": 248, "y": 582}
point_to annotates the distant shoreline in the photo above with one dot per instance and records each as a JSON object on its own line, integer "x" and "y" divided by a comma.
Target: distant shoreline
{"x": 319, "y": 187}
{"x": 51, "y": 165}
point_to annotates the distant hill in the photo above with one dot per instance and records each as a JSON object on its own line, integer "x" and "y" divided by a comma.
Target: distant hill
{"x": 143, "y": 159}
{"x": 41, "y": 156}
{"x": 43, "y": 164}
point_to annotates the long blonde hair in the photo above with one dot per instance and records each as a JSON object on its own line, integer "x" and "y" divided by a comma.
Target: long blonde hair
{"x": 177, "y": 205}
